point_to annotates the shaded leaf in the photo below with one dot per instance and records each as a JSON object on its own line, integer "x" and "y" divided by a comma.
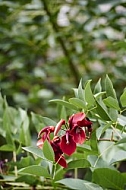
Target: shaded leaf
{"x": 80, "y": 163}
{"x": 123, "y": 98}
{"x": 108, "y": 178}
{"x": 118, "y": 156}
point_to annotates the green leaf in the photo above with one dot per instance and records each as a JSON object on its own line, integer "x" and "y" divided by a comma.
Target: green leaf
{"x": 112, "y": 103}
{"x": 118, "y": 156}
{"x": 123, "y": 140}
{"x": 35, "y": 170}
{"x": 79, "y": 184}
{"x": 101, "y": 129}
{"x": 25, "y": 136}
{"x": 77, "y": 102}
{"x": 93, "y": 142}
{"x": 98, "y": 87}
{"x": 108, "y": 178}
{"x": 109, "y": 88}
{"x": 88, "y": 94}
{"x": 34, "y": 150}
{"x": 97, "y": 162}
{"x": 48, "y": 151}
{"x": 102, "y": 112}
{"x": 123, "y": 98}
{"x": 80, "y": 163}
{"x": 81, "y": 91}
{"x": 7, "y": 147}
{"x": 48, "y": 122}
{"x": 64, "y": 103}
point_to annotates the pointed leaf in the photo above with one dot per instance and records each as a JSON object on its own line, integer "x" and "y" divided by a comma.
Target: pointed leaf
{"x": 102, "y": 112}
{"x": 35, "y": 151}
{"x": 7, "y": 147}
{"x": 98, "y": 87}
{"x": 35, "y": 170}
{"x": 123, "y": 98}
{"x": 48, "y": 151}
{"x": 111, "y": 102}
{"x": 64, "y": 103}
{"x": 88, "y": 94}
{"x": 109, "y": 88}
{"x": 77, "y": 102}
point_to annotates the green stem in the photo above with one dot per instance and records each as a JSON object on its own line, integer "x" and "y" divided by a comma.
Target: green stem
{"x": 15, "y": 160}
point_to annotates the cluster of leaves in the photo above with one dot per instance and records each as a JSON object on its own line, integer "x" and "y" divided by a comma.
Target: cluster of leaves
{"x": 100, "y": 156}
{"x": 58, "y": 41}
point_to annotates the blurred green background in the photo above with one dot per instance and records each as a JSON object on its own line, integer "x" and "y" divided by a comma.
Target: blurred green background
{"x": 47, "y": 46}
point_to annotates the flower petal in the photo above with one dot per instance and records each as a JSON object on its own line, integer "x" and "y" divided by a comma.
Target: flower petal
{"x": 58, "y": 126}
{"x": 59, "y": 158}
{"x": 75, "y": 118}
{"x": 68, "y": 146}
{"x": 78, "y": 135}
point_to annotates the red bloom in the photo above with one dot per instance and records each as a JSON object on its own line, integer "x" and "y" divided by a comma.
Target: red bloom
{"x": 44, "y": 134}
{"x": 59, "y": 158}
{"x": 68, "y": 145}
{"x": 58, "y": 126}
{"x": 78, "y": 135}
{"x": 80, "y": 120}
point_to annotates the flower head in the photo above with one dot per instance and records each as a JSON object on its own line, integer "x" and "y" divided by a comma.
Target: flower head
{"x": 44, "y": 134}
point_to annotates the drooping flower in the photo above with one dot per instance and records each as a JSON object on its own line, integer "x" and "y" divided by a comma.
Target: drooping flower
{"x": 44, "y": 134}
{"x": 68, "y": 145}
{"x": 59, "y": 158}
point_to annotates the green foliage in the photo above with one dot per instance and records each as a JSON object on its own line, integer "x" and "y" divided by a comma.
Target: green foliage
{"x": 100, "y": 156}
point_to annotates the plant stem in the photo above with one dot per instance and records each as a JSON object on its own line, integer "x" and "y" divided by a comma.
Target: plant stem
{"x": 62, "y": 43}
{"x": 15, "y": 160}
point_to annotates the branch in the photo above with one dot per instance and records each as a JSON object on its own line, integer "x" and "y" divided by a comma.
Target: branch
{"x": 62, "y": 43}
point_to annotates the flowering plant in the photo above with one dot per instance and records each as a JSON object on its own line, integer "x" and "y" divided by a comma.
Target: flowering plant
{"x": 84, "y": 149}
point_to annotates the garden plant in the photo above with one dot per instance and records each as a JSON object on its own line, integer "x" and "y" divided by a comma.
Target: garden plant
{"x": 84, "y": 148}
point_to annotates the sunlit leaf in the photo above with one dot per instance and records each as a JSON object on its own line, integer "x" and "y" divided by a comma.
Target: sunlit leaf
{"x": 48, "y": 151}
{"x": 64, "y": 103}
{"x": 88, "y": 94}
{"x": 79, "y": 184}
{"x": 109, "y": 88}
{"x": 35, "y": 151}
{"x": 35, "y": 170}
{"x": 112, "y": 103}
{"x": 77, "y": 102}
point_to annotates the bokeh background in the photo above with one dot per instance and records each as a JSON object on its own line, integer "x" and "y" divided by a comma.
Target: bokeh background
{"x": 47, "y": 46}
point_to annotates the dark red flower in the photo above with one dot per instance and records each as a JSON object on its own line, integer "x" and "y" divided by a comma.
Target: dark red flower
{"x": 44, "y": 134}
{"x": 59, "y": 158}
{"x": 80, "y": 120}
{"x": 58, "y": 126}
{"x": 68, "y": 145}
{"x": 78, "y": 134}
